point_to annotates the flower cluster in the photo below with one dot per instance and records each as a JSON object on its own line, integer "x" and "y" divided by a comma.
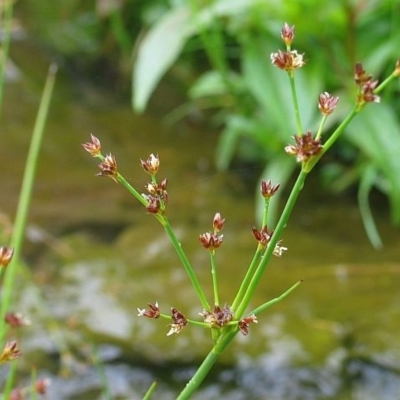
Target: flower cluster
{"x": 267, "y": 189}
{"x": 152, "y": 312}
{"x": 219, "y": 317}
{"x": 6, "y": 254}
{"x": 179, "y": 323}
{"x": 10, "y": 352}
{"x": 306, "y": 147}
{"x": 287, "y": 60}
{"x": 327, "y": 103}
{"x": 157, "y": 198}
{"x": 365, "y": 86}
{"x": 212, "y": 241}
{"x": 245, "y": 322}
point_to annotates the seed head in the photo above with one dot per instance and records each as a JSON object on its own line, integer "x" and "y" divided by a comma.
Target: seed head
{"x": 151, "y": 165}
{"x": 245, "y": 322}
{"x": 152, "y": 312}
{"x": 210, "y": 241}
{"x": 93, "y": 147}
{"x": 305, "y": 147}
{"x": 218, "y": 222}
{"x": 6, "y": 254}
{"x": 263, "y": 236}
{"x": 267, "y": 189}
{"x": 179, "y": 323}
{"x": 16, "y": 320}
{"x": 10, "y": 352}
{"x": 219, "y": 317}
{"x": 287, "y": 34}
{"x": 327, "y": 103}
{"x": 287, "y": 60}
{"x": 108, "y": 167}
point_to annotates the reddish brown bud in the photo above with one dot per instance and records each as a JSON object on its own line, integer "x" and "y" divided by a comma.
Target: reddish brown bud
{"x": 10, "y": 352}
{"x": 93, "y": 147}
{"x": 245, "y": 322}
{"x": 218, "y": 222}
{"x": 327, "y": 103}
{"x": 287, "y": 60}
{"x": 6, "y": 254}
{"x": 305, "y": 147}
{"x": 287, "y": 34}
{"x": 152, "y": 312}
{"x": 210, "y": 241}
{"x": 108, "y": 167}
{"x": 16, "y": 320}
{"x": 154, "y": 203}
{"x": 41, "y": 385}
{"x": 151, "y": 165}
{"x": 360, "y": 76}
{"x": 219, "y": 317}
{"x": 179, "y": 323}
{"x": 262, "y": 236}
{"x": 267, "y": 189}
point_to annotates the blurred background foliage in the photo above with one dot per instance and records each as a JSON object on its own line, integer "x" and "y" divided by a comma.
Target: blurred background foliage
{"x": 217, "y": 52}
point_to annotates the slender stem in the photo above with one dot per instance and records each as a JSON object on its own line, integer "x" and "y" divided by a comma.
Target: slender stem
{"x": 321, "y": 126}
{"x": 186, "y": 264}
{"x": 131, "y": 189}
{"x": 150, "y": 391}
{"x": 247, "y": 278}
{"x": 270, "y": 303}
{"x": 214, "y": 277}
{"x": 271, "y": 245}
{"x": 26, "y": 193}
{"x": 208, "y": 363}
{"x": 295, "y": 103}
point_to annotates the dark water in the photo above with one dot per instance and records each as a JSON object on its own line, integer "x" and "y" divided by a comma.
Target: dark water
{"x": 96, "y": 256}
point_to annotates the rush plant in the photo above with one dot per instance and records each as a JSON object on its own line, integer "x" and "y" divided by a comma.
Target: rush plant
{"x": 225, "y": 319}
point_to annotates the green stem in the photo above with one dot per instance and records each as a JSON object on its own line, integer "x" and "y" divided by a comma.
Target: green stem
{"x": 214, "y": 277}
{"x": 131, "y": 189}
{"x": 208, "y": 363}
{"x": 26, "y": 193}
{"x": 270, "y": 303}
{"x": 271, "y": 245}
{"x": 254, "y": 261}
{"x": 295, "y": 103}
{"x": 186, "y": 264}
{"x": 247, "y": 278}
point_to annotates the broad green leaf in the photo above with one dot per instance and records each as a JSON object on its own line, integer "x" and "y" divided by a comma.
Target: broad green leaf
{"x": 377, "y": 133}
{"x": 158, "y": 51}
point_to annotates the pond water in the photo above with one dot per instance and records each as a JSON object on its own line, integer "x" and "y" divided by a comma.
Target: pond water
{"x": 94, "y": 256}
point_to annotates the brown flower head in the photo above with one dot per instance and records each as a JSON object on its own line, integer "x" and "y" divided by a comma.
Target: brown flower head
{"x": 360, "y": 76}
{"x": 305, "y": 147}
{"x": 287, "y": 34}
{"x": 218, "y": 222}
{"x": 108, "y": 167}
{"x": 263, "y": 236}
{"x": 287, "y": 60}
{"x": 152, "y": 312}
{"x": 41, "y": 385}
{"x": 327, "y": 103}
{"x": 179, "y": 323}
{"x": 245, "y": 322}
{"x": 93, "y": 147}
{"x": 210, "y": 241}
{"x": 151, "y": 165}
{"x": 219, "y": 317}
{"x": 153, "y": 203}
{"x": 267, "y": 189}
{"x": 10, "y": 352}
{"x": 158, "y": 190}
{"x": 367, "y": 94}
{"x": 6, "y": 254}
{"x": 16, "y": 320}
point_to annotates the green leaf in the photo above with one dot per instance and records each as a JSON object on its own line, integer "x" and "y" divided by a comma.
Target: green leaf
{"x": 376, "y": 132}
{"x": 158, "y": 51}
{"x": 369, "y": 175}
